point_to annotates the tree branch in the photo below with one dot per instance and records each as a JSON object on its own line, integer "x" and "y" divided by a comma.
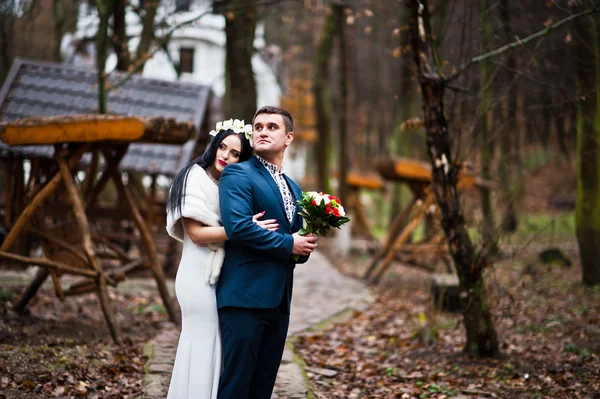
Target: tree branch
{"x": 521, "y": 42}
{"x": 162, "y": 41}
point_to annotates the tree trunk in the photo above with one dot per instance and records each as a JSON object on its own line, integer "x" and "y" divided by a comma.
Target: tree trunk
{"x": 485, "y": 137}
{"x": 105, "y": 10}
{"x": 120, "y": 36}
{"x": 587, "y": 213}
{"x": 506, "y": 167}
{"x": 343, "y": 160}
{"x": 150, "y": 7}
{"x": 6, "y": 35}
{"x": 240, "y": 86}
{"x": 323, "y": 103}
{"x": 401, "y": 143}
{"x": 58, "y": 15}
{"x": 481, "y": 334}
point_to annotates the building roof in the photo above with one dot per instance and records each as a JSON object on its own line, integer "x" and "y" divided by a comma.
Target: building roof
{"x": 40, "y": 89}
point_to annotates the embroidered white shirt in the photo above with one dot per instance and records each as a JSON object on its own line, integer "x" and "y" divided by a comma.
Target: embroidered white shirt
{"x": 286, "y": 193}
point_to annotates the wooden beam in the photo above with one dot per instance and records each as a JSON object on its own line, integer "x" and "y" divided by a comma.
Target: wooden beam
{"x": 33, "y": 174}
{"x": 91, "y": 174}
{"x": 91, "y": 195}
{"x": 85, "y": 286}
{"x": 402, "y": 238}
{"x": 47, "y": 263}
{"x": 113, "y": 247}
{"x": 70, "y": 129}
{"x": 136, "y": 216}
{"x": 57, "y": 287}
{"x": 393, "y": 231}
{"x": 150, "y": 200}
{"x": 8, "y": 193}
{"x": 78, "y": 208}
{"x": 39, "y": 198}
{"x": 32, "y": 289}
{"x": 95, "y": 128}
{"x": 58, "y": 242}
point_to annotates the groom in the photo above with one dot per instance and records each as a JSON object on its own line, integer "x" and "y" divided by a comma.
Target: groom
{"x": 255, "y": 286}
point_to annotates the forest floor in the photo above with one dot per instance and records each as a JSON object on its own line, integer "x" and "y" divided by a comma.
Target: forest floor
{"x": 548, "y": 327}
{"x": 65, "y": 350}
{"x": 547, "y": 322}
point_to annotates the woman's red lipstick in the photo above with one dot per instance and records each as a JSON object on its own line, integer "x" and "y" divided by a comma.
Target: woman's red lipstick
{"x": 222, "y": 163}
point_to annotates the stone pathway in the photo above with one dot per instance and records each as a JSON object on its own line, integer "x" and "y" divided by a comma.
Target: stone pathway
{"x": 320, "y": 292}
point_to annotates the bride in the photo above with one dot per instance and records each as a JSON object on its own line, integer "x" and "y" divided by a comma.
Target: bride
{"x": 193, "y": 217}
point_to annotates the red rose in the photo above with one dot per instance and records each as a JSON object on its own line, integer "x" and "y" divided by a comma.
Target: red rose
{"x": 313, "y": 203}
{"x": 336, "y": 212}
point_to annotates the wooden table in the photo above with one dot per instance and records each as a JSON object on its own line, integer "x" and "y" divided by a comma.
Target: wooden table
{"x": 72, "y": 137}
{"x": 417, "y": 175}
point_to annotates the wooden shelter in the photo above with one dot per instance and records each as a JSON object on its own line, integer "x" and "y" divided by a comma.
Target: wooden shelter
{"x": 43, "y": 89}
{"x": 69, "y": 243}
{"x": 417, "y": 175}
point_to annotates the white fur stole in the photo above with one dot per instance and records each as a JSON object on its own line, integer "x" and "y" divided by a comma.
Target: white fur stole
{"x": 201, "y": 203}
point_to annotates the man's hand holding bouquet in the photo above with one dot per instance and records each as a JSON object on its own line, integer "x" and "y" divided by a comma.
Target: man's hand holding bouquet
{"x": 321, "y": 212}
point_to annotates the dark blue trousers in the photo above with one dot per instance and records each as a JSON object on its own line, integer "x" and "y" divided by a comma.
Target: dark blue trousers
{"x": 253, "y": 343}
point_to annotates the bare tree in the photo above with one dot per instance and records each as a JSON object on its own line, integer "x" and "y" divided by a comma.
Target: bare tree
{"x": 588, "y": 148}
{"x": 240, "y": 85}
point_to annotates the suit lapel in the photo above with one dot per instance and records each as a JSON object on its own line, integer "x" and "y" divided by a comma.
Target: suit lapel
{"x": 265, "y": 173}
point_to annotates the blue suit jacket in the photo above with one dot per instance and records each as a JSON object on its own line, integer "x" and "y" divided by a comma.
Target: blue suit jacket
{"x": 258, "y": 268}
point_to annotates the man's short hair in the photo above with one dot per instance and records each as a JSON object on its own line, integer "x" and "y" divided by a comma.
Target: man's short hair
{"x": 269, "y": 109}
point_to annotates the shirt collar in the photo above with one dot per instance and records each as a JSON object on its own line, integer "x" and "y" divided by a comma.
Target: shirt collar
{"x": 270, "y": 167}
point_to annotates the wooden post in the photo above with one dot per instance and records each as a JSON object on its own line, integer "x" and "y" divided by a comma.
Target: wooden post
{"x": 360, "y": 218}
{"x": 40, "y": 197}
{"x": 79, "y": 210}
{"x": 34, "y": 286}
{"x": 150, "y": 201}
{"x": 91, "y": 177}
{"x": 157, "y": 271}
{"x": 393, "y": 232}
{"x": 33, "y": 174}
{"x": 56, "y": 241}
{"x": 8, "y": 192}
{"x": 401, "y": 239}
{"x": 47, "y": 264}
{"x": 92, "y": 193}
{"x": 21, "y": 244}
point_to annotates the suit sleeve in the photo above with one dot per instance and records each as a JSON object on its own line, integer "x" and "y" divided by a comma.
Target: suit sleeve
{"x": 235, "y": 200}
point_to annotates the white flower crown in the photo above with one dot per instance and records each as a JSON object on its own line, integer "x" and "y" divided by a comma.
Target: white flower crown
{"x": 235, "y": 125}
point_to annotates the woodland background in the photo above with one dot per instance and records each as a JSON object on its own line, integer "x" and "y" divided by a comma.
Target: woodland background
{"x": 373, "y": 79}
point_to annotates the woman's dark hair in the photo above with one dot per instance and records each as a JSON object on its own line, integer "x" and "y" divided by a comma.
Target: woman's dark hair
{"x": 206, "y": 160}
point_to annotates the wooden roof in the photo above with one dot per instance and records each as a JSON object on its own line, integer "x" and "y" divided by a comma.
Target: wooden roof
{"x": 45, "y": 89}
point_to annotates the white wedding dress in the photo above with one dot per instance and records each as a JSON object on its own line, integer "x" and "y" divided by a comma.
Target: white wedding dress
{"x": 198, "y": 361}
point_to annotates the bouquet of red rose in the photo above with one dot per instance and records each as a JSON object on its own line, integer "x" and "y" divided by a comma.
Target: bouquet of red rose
{"x": 321, "y": 212}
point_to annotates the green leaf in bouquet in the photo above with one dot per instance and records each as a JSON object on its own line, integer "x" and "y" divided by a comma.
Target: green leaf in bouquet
{"x": 302, "y": 231}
